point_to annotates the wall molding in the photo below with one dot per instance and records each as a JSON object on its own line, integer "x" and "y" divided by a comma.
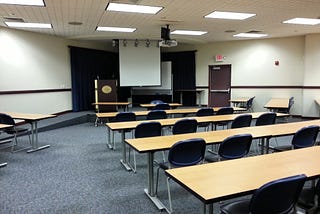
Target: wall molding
{"x": 35, "y": 91}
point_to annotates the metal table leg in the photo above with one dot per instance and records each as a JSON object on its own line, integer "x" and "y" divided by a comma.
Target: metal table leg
{"x": 34, "y": 138}
{"x": 123, "y": 161}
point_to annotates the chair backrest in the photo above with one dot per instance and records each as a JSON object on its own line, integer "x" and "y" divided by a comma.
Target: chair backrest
{"x": 125, "y": 116}
{"x": 267, "y": 118}
{"x": 156, "y": 101}
{"x": 6, "y": 119}
{"x": 277, "y": 197}
{"x": 187, "y": 152}
{"x": 236, "y": 146}
{"x": 305, "y": 137}
{"x": 148, "y": 129}
{"x": 156, "y": 114}
{"x": 204, "y": 112}
{"x": 243, "y": 120}
{"x": 249, "y": 103}
{"x": 184, "y": 126}
{"x": 162, "y": 106}
{"x": 224, "y": 110}
{"x": 291, "y": 102}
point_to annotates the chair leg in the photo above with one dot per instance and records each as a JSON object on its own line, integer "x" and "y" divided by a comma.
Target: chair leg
{"x": 169, "y": 196}
{"x": 14, "y": 142}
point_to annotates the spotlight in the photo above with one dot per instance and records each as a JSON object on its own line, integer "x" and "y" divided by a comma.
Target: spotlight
{"x": 124, "y": 42}
{"x": 148, "y": 43}
{"x": 136, "y": 43}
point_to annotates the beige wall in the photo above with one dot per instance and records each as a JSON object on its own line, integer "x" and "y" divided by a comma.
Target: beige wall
{"x": 31, "y": 61}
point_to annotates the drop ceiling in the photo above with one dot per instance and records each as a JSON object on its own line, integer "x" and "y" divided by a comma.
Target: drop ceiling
{"x": 179, "y": 14}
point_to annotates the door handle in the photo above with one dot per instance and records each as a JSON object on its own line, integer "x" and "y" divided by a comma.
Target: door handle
{"x": 221, "y": 91}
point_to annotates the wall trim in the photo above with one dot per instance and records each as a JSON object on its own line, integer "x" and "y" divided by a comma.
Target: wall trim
{"x": 34, "y": 91}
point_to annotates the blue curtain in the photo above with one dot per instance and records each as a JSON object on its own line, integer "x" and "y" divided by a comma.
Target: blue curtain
{"x": 86, "y": 66}
{"x": 184, "y": 74}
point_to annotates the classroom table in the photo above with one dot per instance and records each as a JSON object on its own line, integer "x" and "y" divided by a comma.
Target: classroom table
{"x": 240, "y": 101}
{"x": 183, "y": 111}
{"x": 275, "y": 104}
{"x": 4, "y": 126}
{"x": 32, "y": 119}
{"x": 211, "y": 182}
{"x": 153, "y": 144}
{"x": 197, "y": 91}
{"x": 122, "y": 126}
{"x": 124, "y": 104}
{"x": 151, "y": 105}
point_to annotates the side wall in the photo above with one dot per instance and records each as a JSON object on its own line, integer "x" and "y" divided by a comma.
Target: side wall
{"x": 31, "y": 63}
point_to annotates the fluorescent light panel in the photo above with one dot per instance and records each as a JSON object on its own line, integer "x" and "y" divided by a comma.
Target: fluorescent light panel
{"x": 116, "y": 29}
{"x": 250, "y": 35}
{"x": 229, "y": 15}
{"x": 131, "y": 8}
{"x": 303, "y": 21}
{"x": 188, "y": 32}
{"x": 28, "y": 25}
{"x": 23, "y": 2}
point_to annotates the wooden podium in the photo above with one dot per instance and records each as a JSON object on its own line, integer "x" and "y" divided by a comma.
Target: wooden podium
{"x": 105, "y": 91}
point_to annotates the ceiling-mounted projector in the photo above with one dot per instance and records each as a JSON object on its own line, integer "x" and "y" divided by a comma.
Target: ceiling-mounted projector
{"x": 168, "y": 43}
{"x": 165, "y": 36}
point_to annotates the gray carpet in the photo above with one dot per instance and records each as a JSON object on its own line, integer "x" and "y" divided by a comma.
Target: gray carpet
{"x": 79, "y": 174}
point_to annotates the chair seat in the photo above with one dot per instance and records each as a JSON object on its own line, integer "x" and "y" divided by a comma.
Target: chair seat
{"x": 282, "y": 148}
{"x": 237, "y": 207}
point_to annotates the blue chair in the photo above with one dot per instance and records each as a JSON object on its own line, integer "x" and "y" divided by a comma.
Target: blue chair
{"x": 275, "y": 197}
{"x": 249, "y": 103}
{"x": 162, "y": 106}
{"x": 223, "y": 111}
{"x": 202, "y": 112}
{"x": 14, "y": 131}
{"x": 184, "y": 126}
{"x": 156, "y": 101}
{"x": 267, "y": 118}
{"x": 156, "y": 114}
{"x": 123, "y": 117}
{"x": 146, "y": 129}
{"x": 243, "y": 120}
{"x": 183, "y": 153}
{"x": 309, "y": 198}
{"x": 304, "y": 137}
{"x": 233, "y": 147}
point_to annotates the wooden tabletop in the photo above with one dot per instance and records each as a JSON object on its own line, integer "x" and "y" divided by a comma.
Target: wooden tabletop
{"x": 170, "y": 111}
{"x": 240, "y": 100}
{"x": 112, "y": 103}
{"x": 277, "y": 103}
{"x": 3, "y": 126}
{"x": 152, "y": 144}
{"x": 150, "y": 105}
{"x": 28, "y": 116}
{"x": 168, "y": 122}
{"x": 217, "y": 181}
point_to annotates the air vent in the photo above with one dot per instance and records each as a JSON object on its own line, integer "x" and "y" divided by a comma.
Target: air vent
{"x": 13, "y": 19}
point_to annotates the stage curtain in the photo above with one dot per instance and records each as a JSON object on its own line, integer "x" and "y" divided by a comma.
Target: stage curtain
{"x": 86, "y": 66}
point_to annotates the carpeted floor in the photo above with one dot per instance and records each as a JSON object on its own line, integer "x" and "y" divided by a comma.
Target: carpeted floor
{"x": 79, "y": 174}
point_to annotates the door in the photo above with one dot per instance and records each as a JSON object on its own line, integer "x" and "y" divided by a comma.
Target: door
{"x": 219, "y": 85}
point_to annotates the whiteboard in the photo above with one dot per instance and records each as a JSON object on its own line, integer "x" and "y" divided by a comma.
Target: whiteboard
{"x": 139, "y": 64}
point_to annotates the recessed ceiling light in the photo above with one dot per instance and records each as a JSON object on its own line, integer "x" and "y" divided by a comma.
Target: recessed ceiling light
{"x": 116, "y": 29}
{"x": 303, "y": 21}
{"x": 23, "y": 2}
{"x": 28, "y": 25}
{"x": 229, "y": 15}
{"x": 250, "y": 35}
{"x": 189, "y": 32}
{"x": 132, "y": 8}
